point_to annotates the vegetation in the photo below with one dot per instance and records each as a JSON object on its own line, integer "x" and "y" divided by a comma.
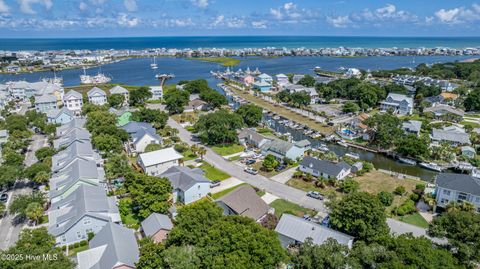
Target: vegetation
{"x": 219, "y": 127}
{"x": 226, "y": 191}
{"x": 307, "y": 81}
{"x": 224, "y": 61}
{"x": 156, "y": 117}
{"x": 21, "y": 203}
{"x": 139, "y": 96}
{"x": 175, "y": 101}
{"x": 116, "y": 100}
{"x": 297, "y": 99}
{"x": 283, "y": 206}
{"x": 251, "y": 114}
{"x": 227, "y": 149}
{"x": 213, "y": 173}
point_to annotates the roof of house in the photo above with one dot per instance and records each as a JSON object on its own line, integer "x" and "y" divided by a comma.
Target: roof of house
{"x": 45, "y": 98}
{"x": 96, "y": 90}
{"x": 412, "y": 125}
{"x": 156, "y": 222}
{"x": 80, "y": 169}
{"x": 193, "y": 104}
{"x": 450, "y": 135}
{"x": 468, "y": 148}
{"x": 135, "y": 126}
{"x": 118, "y": 90}
{"x": 137, "y": 136}
{"x": 303, "y": 143}
{"x": 252, "y": 135}
{"x": 447, "y": 108}
{"x": 55, "y": 113}
{"x": 400, "y": 97}
{"x": 325, "y": 167}
{"x": 184, "y": 178}
{"x": 76, "y": 123}
{"x": 76, "y": 134}
{"x": 76, "y": 150}
{"x": 245, "y": 202}
{"x": 72, "y": 93}
{"x": 459, "y": 182}
{"x": 159, "y": 156}
{"x": 300, "y": 229}
{"x": 278, "y": 146}
{"x": 113, "y": 246}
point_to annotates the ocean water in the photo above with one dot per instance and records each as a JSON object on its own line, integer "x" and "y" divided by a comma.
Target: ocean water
{"x": 235, "y": 42}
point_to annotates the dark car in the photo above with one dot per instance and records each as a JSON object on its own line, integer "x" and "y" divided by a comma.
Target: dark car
{"x": 315, "y": 195}
{"x": 280, "y": 167}
{"x": 215, "y": 183}
{"x": 3, "y": 197}
{"x": 250, "y": 162}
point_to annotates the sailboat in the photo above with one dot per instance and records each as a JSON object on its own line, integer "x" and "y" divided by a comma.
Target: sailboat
{"x": 154, "y": 64}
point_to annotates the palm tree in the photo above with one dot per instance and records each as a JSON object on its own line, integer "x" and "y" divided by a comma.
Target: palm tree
{"x": 34, "y": 211}
{"x": 202, "y": 151}
{"x": 194, "y": 149}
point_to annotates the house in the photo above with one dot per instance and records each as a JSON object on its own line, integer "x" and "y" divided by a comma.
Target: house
{"x": 262, "y": 86}
{"x": 441, "y": 111}
{"x": 353, "y": 72}
{"x": 86, "y": 210}
{"x": 121, "y": 90}
{"x": 157, "y": 226}
{"x": 77, "y": 150}
{"x": 67, "y": 139}
{"x": 141, "y": 135}
{"x": 297, "y": 78}
{"x": 412, "y": 127}
{"x": 264, "y": 78}
{"x": 283, "y": 149}
{"x": 114, "y": 247}
{"x": 157, "y": 162}
{"x": 249, "y": 137}
{"x": 468, "y": 152}
{"x": 248, "y": 80}
{"x": 157, "y": 92}
{"x": 189, "y": 185}
{"x": 73, "y": 100}
{"x": 399, "y": 103}
{"x": 244, "y": 201}
{"x": 452, "y": 187}
{"x": 282, "y": 79}
{"x": 60, "y": 116}
{"x": 293, "y": 230}
{"x": 325, "y": 169}
{"x": 195, "y": 105}
{"x": 97, "y": 96}
{"x": 67, "y": 180}
{"x": 123, "y": 115}
{"x": 65, "y": 129}
{"x": 452, "y": 134}
{"x": 45, "y": 103}
{"x": 293, "y": 88}
{"x": 358, "y": 166}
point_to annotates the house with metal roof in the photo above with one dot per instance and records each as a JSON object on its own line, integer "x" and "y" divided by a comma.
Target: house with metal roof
{"x": 412, "y": 127}
{"x": 76, "y": 123}
{"x": 73, "y": 100}
{"x": 249, "y": 137}
{"x": 293, "y": 230}
{"x": 157, "y": 226}
{"x": 441, "y": 111}
{"x": 76, "y": 134}
{"x": 244, "y": 201}
{"x": 97, "y": 96}
{"x": 86, "y": 210}
{"x": 451, "y": 134}
{"x": 157, "y": 162}
{"x": 113, "y": 247}
{"x": 282, "y": 149}
{"x": 45, "y": 103}
{"x": 399, "y": 103}
{"x": 60, "y": 116}
{"x": 450, "y": 187}
{"x": 121, "y": 90}
{"x": 189, "y": 185}
{"x": 77, "y": 150}
{"x": 325, "y": 169}
{"x": 141, "y": 134}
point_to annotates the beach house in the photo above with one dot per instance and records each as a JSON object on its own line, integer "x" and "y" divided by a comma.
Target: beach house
{"x": 324, "y": 168}
{"x": 97, "y": 96}
{"x": 399, "y": 103}
{"x": 122, "y": 91}
{"x": 451, "y": 187}
{"x": 45, "y": 103}
{"x": 73, "y": 100}
{"x": 157, "y": 162}
{"x": 189, "y": 185}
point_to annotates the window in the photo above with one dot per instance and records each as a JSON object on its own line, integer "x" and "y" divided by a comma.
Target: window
{"x": 462, "y": 196}
{"x": 64, "y": 238}
{"x": 444, "y": 201}
{"x": 446, "y": 192}
{"x": 79, "y": 235}
{"x": 87, "y": 221}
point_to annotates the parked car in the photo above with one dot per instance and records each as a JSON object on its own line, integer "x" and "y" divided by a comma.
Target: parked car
{"x": 3, "y": 197}
{"x": 251, "y": 171}
{"x": 280, "y": 167}
{"x": 257, "y": 156}
{"x": 215, "y": 183}
{"x": 315, "y": 195}
{"x": 250, "y": 162}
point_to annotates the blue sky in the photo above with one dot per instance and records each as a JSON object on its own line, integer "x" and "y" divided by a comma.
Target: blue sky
{"x": 109, "y": 18}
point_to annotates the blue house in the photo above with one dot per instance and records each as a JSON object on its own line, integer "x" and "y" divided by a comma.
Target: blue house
{"x": 60, "y": 116}
{"x": 262, "y": 86}
{"x": 45, "y": 103}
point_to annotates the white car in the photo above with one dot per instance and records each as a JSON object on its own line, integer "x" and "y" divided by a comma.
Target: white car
{"x": 251, "y": 171}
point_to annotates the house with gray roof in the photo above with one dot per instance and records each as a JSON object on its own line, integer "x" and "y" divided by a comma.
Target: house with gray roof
{"x": 282, "y": 149}
{"x": 76, "y": 123}
{"x": 60, "y": 116}
{"x": 244, "y": 201}
{"x": 73, "y": 100}
{"x": 189, "y": 185}
{"x": 86, "y": 210}
{"x": 249, "y": 137}
{"x": 114, "y": 247}
{"x": 440, "y": 111}
{"x": 121, "y": 90}
{"x": 77, "y": 150}
{"x": 325, "y": 169}
{"x": 97, "y": 96}
{"x": 468, "y": 152}
{"x": 141, "y": 135}
{"x": 157, "y": 162}
{"x": 157, "y": 226}
{"x": 450, "y": 187}
{"x": 399, "y": 103}
{"x": 75, "y": 135}
{"x": 412, "y": 127}
{"x": 454, "y": 135}
{"x": 45, "y": 103}
{"x": 293, "y": 230}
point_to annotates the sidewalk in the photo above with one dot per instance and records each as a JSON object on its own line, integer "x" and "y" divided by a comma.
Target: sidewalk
{"x": 269, "y": 198}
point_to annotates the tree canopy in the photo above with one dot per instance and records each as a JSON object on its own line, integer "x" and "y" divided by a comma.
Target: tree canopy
{"x": 251, "y": 114}
{"x": 219, "y": 127}
{"x": 156, "y": 117}
{"x": 307, "y": 81}
{"x": 116, "y": 100}
{"x": 176, "y": 100}
{"x": 139, "y": 96}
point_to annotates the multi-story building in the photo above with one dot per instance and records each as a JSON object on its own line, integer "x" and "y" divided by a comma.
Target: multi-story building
{"x": 452, "y": 187}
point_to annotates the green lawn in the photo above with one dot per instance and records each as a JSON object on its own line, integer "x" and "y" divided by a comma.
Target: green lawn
{"x": 189, "y": 155}
{"x": 73, "y": 252}
{"x": 415, "y": 219}
{"x": 227, "y": 149}
{"x": 225, "y": 61}
{"x": 282, "y": 206}
{"x": 129, "y": 218}
{"x": 213, "y": 173}
{"x": 264, "y": 131}
{"x": 471, "y": 124}
{"x": 222, "y": 193}
{"x": 234, "y": 158}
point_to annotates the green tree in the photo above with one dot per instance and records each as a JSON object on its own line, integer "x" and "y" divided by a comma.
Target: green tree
{"x": 156, "y": 117}
{"x": 219, "y": 127}
{"x": 307, "y": 81}
{"x": 251, "y": 114}
{"x": 16, "y": 122}
{"x": 116, "y": 166}
{"x": 349, "y": 185}
{"x": 330, "y": 254}
{"x": 107, "y": 143}
{"x": 387, "y": 129}
{"x": 184, "y": 257}
{"x": 139, "y": 96}
{"x": 8, "y": 175}
{"x": 44, "y": 153}
{"x": 350, "y": 107}
{"x": 300, "y": 99}
{"x": 20, "y": 203}
{"x": 472, "y": 102}
{"x": 34, "y": 211}
{"x": 269, "y": 163}
{"x": 361, "y": 215}
{"x": 34, "y": 169}
{"x": 196, "y": 86}
{"x": 213, "y": 98}
{"x": 116, "y": 100}
{"x": 176, "y": 100}
{"x": 41, "y": 177}
{"x": 413, "y": 146}
{"x": 152, "y": 147}
{"x": 386, "y": 198}
{"x": 89, "y": 107}
{"x": 150, "y": 255}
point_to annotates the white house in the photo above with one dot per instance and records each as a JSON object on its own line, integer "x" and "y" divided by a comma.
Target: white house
{"x": 399, "y": 103}
{"x": 283, "y": 149}
{"x": 157, "y": 162}
{"x": 282, "y": 79}
{"x": 189, "y": 185}
{"x": 141, "y": 134}
{"x": 121, "y": 90}
{"x": 60, "y": 116}
{"x": 97, "y": 96}
{"x": 157, "y": 92}
{"x": 452, "y": 187}
{"x": 73, "y": 100}
{"x": 325, "y": 169}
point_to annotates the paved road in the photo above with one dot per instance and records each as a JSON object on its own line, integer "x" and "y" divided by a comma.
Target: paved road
{"x": 11, "y": 227}
{"x": 283, "y": 191}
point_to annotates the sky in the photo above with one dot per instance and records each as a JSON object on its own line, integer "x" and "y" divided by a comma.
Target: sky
{"x": 118, "y": 18}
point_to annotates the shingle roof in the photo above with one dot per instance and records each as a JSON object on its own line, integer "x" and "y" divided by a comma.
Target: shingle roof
{"x": 74, "y": 124}
{"x": 251, "y": 135}
{"x": 72, "y": 93}
{"x": 452, "y": 136}
{"x": 323, "y": 166}
{"x": 45, "y": 98}
{"x": 118, "y": 90}
{"x": 184, "y": 178}
{"x": 449, "y": 109}
{"x": 412, "y": 125}
{"x": 155, "y": 222}
{"x": 278, "y": 146}
{"x": 80, "y": 169}
{"x": 245, "y": 202}
{"x": 75, "y": 135}
{"x": 159, "y": 156}
{"x": 300, "y": 229}
{"x": 53, "y": 114}
{"x": 78, "y": 149}
{"x": 459, "y": 182}
{"x": 95, "y": 90}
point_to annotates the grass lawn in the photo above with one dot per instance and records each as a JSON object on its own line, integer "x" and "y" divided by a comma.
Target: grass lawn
{"x": 375, "y": 182}
{"x": 471, "y": 124}
{"x": 191, "y": 117}
{"x": 415, "y": 219}
{"x": 264, "y": 131}
{"x": 298, "y": 183}
{"x": 282, "y": 206}
{"x": 189, "y": 155}
{"x": 213, "y": 173}
{"x": 225, "y": 61}
{"x": 228, "y": 149}
{"x": 222, "y": 193}
{"x": 73, "y": 251}
{"x": 130, "y": 219}
{"x": 234, "y": 158}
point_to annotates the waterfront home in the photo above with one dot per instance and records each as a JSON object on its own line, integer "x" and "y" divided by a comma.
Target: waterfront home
{"x": 76, "y": 123}
{"x": 157, "y": 226}
{"x": 262, "y": 86}
{"x": 141, "y": 135}
{"x": 452, "y": 134}
{"x": 325, "y": 169}
{"x": 60, "y": 116}
{"x": 468, "y": 152}
{"x": 293, "y": 88}
{"x": 248, "y": 80}
{"x": 189, "y": 185}
{"x": 123, "y": 115}
{"x": 442, "y": 111}
{"x": 97, "y": 96}
{"x": 412, "y": 127}
{"x": 249, "y": 137}
{"x": 353, "y": 72}
{"x": 67, "y": 180}
{"x": 297, "y": 78}
{"x": 195, "y": 105}
{"x": 244, "y": 201}
{"x": 157, "y": 92}
{"x": 122, "y": 91}
{"x": 283, "y": 149}
{"x": 73, "y": 100}
{"x": 157, "y": 162}
{"x": 264, "y": 78}
{"x": 45, "y": 103}
{"x": 399, "y": 103}
{"x": 282, "y": 79}
{"x": 20, "y": 90}
{"x": 113, "y": 247}
{"x": 452, "y": 187}
{"x": 86, "y": 210}
{"x": 293, "y": 230}
{"x": 77, "y": 150}
{"x": 64, "y": 141}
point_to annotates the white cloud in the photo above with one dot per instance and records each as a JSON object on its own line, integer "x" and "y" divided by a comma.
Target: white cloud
{"x": 181, "y": 22}
{"x": 82, "y": 6}
{"x": 448, "y": 16}
{"x": 235, "y": 22}
{"x": 339, "y": 21}
{"x": 201, "y": 3}
{"x": 130, "y": 5}
{"x": 4, "y": 8}
{"x": 387, "y": 11}
{"x": 218, "y": 20}
{"x": 262, "y": 24}
{"x": 26, "y": 5}
{"x": 124, "y": 20}
{"x": 291, "y": 13}
{"x": 459, "y": 14}
{"x": 276, "y": 13}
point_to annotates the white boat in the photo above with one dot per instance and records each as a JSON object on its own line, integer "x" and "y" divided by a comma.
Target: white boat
{"x": 353, "y": 155}
{"x": 407, "y": 161}
{"x": 97, "y": 79}
{"x": 431, "y": 166}
{"x": 154, "y": 64}
{"x": 343, "y": 144}
{"x": 323, "y": 148}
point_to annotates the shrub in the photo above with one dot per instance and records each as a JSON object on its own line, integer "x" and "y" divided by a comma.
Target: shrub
{"x": 414, "y": 197}
{"x": 76, "y": 244}
{"x": 64, "y": 248}
{"x": 83, "y": 243}
{"x": 400, "y": 190}
{"x": 406, "y": 208}
{"x": 90, "y": 235}
{"x": 349, "y": 185}
{"x": 386, "y": 198}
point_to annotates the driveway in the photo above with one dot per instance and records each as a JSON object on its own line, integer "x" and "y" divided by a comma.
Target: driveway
{"x": 227, "y": 184}
{"x": 284, "y": 176}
